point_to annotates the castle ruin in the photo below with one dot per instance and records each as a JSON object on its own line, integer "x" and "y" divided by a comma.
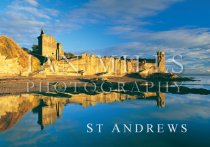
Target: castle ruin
{"x": 94, "y": 65}
{"x": 161, "y": 61}
{"x": 48, "y": 47}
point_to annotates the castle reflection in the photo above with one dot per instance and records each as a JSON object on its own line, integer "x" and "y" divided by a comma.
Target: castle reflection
{"x": 49, "y": 107}
{"x": 47, "y": 114}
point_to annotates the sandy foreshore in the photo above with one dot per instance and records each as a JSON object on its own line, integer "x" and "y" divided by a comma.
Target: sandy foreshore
{"x": 11, "y": 85}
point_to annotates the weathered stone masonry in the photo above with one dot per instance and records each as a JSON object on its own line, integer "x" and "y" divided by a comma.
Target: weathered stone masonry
{"x": 106, "y": 66}
{"x": 48, "y": 46}
{"x": 94, "y": 65}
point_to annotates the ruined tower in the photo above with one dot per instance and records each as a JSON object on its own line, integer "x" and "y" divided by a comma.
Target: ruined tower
{"x": 48, "y": 46}
{"x": 161, "y": 61}
{"x": 59, "y": 51}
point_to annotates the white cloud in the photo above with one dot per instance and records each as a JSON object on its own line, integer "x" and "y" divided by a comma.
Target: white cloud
{"x": 176, "y": 38}
{"x": 28, "y": 10}
{"x": 121, "y": 29}
{"x": 193, "y": 106}
{"x": 22, "y": 20}
{"x": 118, "y": 11}
{"x": 32, "y": 2}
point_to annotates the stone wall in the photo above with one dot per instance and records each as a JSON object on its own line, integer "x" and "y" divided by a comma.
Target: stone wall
{"x": 47, "y": 45}
{"x": 161, "y": 61}
{"x": 59, "y": 51}
{"x": 94, "y": 65}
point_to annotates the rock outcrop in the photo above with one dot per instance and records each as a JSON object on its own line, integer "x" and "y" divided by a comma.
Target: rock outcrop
{"x": 14, "y": 60}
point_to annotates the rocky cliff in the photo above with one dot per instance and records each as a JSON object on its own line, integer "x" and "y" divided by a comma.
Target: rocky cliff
{"x": 14, "y": 60}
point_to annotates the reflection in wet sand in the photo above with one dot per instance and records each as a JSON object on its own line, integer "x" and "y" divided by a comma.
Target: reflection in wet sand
{"x": 91, "y": 100}
{"x": 14, "y": 107}
{"x": 49, "y": 108}
{"x": 48, "y": 113}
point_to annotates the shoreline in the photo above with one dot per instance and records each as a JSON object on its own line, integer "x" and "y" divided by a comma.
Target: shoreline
{"x": 130, "y": 85}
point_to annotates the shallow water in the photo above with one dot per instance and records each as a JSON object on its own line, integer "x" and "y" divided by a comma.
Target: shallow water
{"x": 31, "y": 119}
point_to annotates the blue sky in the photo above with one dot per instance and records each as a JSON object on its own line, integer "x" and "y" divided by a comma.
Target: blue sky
{"x": 115, "y": 27}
